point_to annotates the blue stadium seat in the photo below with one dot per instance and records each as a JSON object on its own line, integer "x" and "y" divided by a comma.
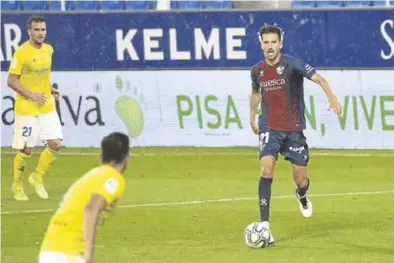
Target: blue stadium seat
{"x": 86, "y": 5}
{"x": 137, "y": 5}
{"x": 358, "y": 3}
{"x": 391, "y": 3}
{"x": 10, "y": 5}
{"x": 81, "y": 5}
{"x": 187, "y": 5}
{"x": 70, "y": 5}
{"x": 379, "y": 3}
{"x": 330, "y": 4}
{"x": 153, "y": 4}
{"x": 220, "y": 4}
{"x": 55, "y": 5}
{"x": 112, "y": 5}
{"x": 35, "y": 5}
{"x": 303, "y": 4}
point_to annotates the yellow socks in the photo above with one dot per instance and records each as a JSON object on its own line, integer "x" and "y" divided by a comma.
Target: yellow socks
{"x": 47, "y": 157}
{"x": 17, "y": 185}
{"x": 19, "y": 165}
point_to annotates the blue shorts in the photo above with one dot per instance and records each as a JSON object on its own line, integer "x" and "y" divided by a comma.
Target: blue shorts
{"x": 292, "y": 145}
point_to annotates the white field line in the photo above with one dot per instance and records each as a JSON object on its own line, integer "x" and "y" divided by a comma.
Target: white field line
{"x": 224, "y": 200}
{"x": 224, "y": 153}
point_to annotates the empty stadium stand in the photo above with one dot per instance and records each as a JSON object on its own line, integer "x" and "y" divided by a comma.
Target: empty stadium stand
{"x": 358, "y": 3}
{"x": 303, "y": 4}
{"x": 105, "y": 5}
{"x": 11, "y": 5}
{"x": 35, "y": 5}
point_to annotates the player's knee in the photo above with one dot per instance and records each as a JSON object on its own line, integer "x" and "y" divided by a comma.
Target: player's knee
{"x": 267, "y": 171}
{"x": 300, "y": 175}
{"x": 267, "y": 164}
{"x": 55, "y": 145}
{"x": 301, "y": 182}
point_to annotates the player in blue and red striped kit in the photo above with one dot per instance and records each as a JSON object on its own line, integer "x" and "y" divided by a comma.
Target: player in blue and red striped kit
{"x": 277, "y": 82}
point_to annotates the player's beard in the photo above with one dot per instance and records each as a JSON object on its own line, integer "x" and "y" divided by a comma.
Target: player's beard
{"x": 272, "y": 56}
{"x": 39, "y": 42}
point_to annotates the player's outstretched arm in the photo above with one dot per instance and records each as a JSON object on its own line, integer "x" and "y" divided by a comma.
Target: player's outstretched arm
{"x": 13, "y": 83}
{"x": 332, "y": 100}
{"x": 93, "y": 209}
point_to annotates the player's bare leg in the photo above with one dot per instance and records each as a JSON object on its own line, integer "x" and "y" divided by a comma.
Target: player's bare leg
{"x": 48, "y": 156}
{"x": 19, "y": 167}
{"x": 267, "y": 164}
{"x": 300, "y": 177}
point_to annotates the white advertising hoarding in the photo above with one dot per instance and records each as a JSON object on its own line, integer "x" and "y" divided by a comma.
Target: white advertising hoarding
{"x": 209, "y": 108}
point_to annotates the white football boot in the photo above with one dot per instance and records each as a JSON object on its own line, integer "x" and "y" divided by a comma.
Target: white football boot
{"x": 305, "y": 204}
{"x": 266, "y": 224}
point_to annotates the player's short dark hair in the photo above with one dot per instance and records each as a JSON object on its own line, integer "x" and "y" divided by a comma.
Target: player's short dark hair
{"x": 270, "y": 29}
{"x": 36, "y": 19}
{"x": 114, "y": 147}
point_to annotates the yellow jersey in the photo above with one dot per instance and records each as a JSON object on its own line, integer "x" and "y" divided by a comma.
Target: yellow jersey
{"x": 65, "y": 231}
{"x": 33, "y": 65}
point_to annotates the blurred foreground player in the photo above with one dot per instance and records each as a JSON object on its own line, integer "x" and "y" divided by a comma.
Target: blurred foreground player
{"x": 35, "y": 111}
{"x": 278, "y": 81}
{"x": 71, "y": 233}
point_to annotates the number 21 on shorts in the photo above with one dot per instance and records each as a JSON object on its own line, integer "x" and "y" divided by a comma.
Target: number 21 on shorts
{"x": 26, "y": 131}
{"x": 263, "y": 139}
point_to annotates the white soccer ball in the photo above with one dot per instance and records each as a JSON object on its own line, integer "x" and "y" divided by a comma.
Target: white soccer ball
{"x": 257, "y": 235}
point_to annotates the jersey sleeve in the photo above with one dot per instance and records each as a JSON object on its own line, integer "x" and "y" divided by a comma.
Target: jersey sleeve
{"x": 50, "y": 50}
{"x": 16, "y": 64}
{"x": 255, "y": 79}
{"x": 111, "y": 189}
{"x": 303, "y": 68}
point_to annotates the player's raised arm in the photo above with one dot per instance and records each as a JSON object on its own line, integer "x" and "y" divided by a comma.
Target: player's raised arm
{"x": 13, "y": 80}
{"x": 254, "y": 101}
{"x": 309, "y": 72}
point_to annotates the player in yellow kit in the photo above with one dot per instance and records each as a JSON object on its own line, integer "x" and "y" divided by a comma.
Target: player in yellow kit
{"x": 72, "y": 229}
{"x": 35, "y": 113}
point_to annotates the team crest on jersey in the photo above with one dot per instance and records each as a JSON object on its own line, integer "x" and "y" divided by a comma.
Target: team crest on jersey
{"x": 261, "y": 73}
{"x": 280, "y": 70}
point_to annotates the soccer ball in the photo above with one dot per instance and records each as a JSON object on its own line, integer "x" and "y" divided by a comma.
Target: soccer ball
{"x": 257, "y": 235}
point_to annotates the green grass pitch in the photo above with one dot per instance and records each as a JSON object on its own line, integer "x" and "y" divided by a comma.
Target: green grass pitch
{"x": 352, "y": 194}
